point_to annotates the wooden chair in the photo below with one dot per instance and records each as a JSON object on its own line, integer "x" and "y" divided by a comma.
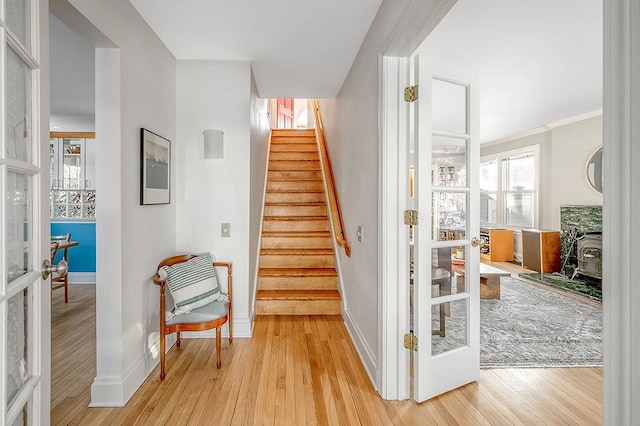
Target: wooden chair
{"x": 200, "y": 319}
{"x": 60, "y": 281}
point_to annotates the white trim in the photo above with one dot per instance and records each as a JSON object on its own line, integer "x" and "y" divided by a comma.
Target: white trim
{"x": 621, "y": 230}
{"x": 393, "y": 382}
{"x": 415, "y": 23}
{"x": 364, "y": 351}
{"x": 112, "y": 391}
{"x": 256, "y": 278}
{"x": 545, "y": 128}
{"x": 107, "y": 392}
{"x": 82, "y": 278}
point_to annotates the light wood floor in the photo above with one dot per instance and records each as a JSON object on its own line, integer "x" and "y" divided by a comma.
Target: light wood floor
{"x": 298, "y": 370}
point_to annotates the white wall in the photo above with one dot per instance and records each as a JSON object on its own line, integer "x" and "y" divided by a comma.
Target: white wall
{"x": 72, "y": 74}
{"x": 260, "y": 132}
{"x": 351, "y": 126}
{"x": 571, "y": 147}
{"x": 564, "y": 152}
{"x": 135, "y": 87}
{"x": 215, "y": 95}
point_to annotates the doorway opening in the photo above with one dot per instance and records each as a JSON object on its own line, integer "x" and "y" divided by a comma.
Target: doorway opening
{"x": 287, "y": 113}
{"x": 557, "y": 179}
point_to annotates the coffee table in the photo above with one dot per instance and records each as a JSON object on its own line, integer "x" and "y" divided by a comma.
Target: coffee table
{"x": 489, "y": 280}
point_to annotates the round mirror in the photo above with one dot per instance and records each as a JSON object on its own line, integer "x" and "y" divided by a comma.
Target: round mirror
{"x": 594, "y": 170}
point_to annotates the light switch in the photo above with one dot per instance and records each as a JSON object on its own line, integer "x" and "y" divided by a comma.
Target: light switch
{"x": 226, "y": 230}
{"x": 359, "y": 233}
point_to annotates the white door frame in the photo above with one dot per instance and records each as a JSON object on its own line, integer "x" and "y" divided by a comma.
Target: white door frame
{"x": 621, "y": 239}
{"x": 417, "y": 20}
{"x": 621, "y": 229}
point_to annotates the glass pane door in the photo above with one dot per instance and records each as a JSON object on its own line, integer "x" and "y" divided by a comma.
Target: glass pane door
{"x": 446, "y": 299}
{"x": 22, "y": 160}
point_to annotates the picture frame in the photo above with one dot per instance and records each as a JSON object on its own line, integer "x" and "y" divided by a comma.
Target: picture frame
{"x": 155, "y": 168}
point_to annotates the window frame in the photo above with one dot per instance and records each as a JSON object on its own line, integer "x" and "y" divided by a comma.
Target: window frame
{"x": 502, "y": 192}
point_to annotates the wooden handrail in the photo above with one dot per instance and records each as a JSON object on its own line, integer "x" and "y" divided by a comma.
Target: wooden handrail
{"x": 332, "y": 193}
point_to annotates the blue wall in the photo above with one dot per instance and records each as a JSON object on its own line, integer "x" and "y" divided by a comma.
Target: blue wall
{"x": 82, "y": 258}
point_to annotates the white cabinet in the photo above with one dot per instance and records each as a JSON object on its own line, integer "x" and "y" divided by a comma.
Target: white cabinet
{"x": 73, "y": 175}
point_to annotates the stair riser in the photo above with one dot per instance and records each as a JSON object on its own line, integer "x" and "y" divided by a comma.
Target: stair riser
{"x": 293, "y": 132}
{"x": 295, "y": 226}
{"x": 297, "y": 261}
{"x": 294, "y": 165}
{"x": 295, "y": 174}
{"x": 295, "y": 185}
{"x": 294, "y": 156}
{"x": 295, "y": 210}
{"x": 298, "y": 283}
{"x": 296, "y": 242}
{"x": 296, "y": 307}
{"x": 294, "y": 197}
{"x": 292, "y": 141}
{"x": 297, "y": 147}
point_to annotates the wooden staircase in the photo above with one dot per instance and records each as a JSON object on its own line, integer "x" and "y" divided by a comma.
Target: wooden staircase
{"x": 297, "y": 274}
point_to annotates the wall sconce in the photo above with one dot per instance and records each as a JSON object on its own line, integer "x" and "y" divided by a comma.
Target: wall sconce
{"x": 213, "y": 143}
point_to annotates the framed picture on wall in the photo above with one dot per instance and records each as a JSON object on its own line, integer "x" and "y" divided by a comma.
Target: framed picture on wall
{"x": 155, "y": 168}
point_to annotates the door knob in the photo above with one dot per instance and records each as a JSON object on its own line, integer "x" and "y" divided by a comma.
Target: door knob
{"x": 475, "y": 241}
{"x": 60, "y": 269}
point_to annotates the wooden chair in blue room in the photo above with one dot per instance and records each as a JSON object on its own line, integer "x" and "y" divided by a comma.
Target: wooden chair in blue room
{"x": 210, "y": 316}
{"x": 60, "y": 281}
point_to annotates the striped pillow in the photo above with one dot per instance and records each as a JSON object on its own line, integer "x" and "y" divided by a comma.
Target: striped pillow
{"x": 192, "y": 283}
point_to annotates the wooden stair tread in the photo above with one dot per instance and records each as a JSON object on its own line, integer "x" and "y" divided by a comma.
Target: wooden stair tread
{"x": 298, "y": 294}
{"x": 297, "y": 191}
{"x": 295, "y": 234}
{"x": 296, "y": 251}
{"x": 294, "y": 218}
{"x": 297, "y": 147}
{"x": 297, "y": 272}
{"x": 295, "y": 204}
{"x": 295, "y": 179}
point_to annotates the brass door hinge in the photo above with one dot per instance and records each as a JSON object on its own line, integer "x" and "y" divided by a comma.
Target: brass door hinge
{"x": 410, "y": 217}
{"x": 410, "y": 341}
{"x": 411, "y": 93}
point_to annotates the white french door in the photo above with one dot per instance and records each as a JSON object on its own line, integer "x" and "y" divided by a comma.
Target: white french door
{"x": 24, "y": 296}
{"x": 446, "y": 297}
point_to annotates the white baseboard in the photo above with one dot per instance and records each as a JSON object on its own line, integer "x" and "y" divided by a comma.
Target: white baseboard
{"x": 82, "y": 277}
{"x": 107, "y": 392}
{"x": 116, "y": 391}
{"x": 242, "y": 328}
{"x": 366, "y": 354}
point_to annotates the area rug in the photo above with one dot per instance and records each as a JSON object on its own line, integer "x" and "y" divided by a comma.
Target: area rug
{"x": 591, "y": 290}
{"x": 533, "y": 327}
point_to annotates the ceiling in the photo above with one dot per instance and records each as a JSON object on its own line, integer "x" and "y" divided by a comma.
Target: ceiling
{"x": 538, "y": 61}
{"x": 297, "y": 48}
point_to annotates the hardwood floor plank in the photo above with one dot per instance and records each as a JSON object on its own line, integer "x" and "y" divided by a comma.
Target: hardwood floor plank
{"x": 300, "y": 370}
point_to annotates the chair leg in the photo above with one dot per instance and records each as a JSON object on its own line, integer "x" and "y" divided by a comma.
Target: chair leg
{"x": 162, "y": 354}
{"x": 66, "y": 288}
{"x": 178, "y": 340}
{"x": 218, "y": 347}
{"x": 230, "y": 330}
